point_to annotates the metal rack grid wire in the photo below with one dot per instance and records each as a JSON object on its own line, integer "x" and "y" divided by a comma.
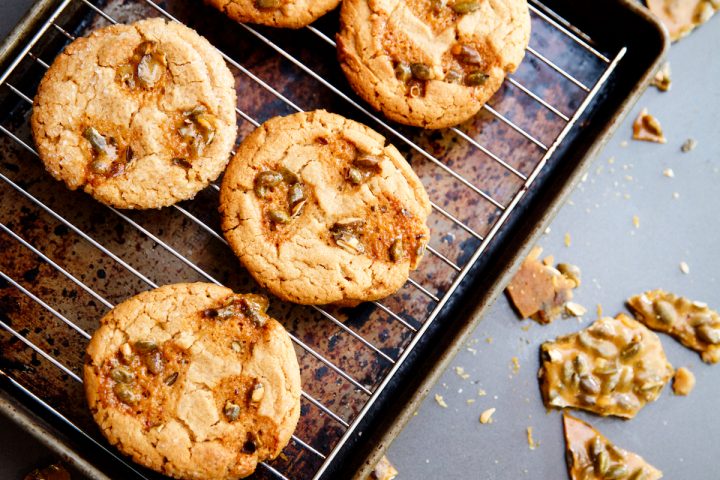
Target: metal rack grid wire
{"x": 458, "y": 270}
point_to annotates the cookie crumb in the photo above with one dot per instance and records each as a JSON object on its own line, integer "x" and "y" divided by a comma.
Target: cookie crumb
{"x": 599, "y": 310}
{"x": 547, "y": 231}
{"x": 440, "y": 400}
{"x": 647, "y": 128}
{"x": 515, "y": 364}
{"x": 530, "y": 440}
{"x": 567, "y": 239}
{"x": 636, "y": 221}
{"x": 668, "y": 172}
{"x": 575, "y": 309}
{"x": 460, "y": 371}
{"x": 689, "y": 145}
{"x": 384, "y": 470}
{"x": 486, "y": 416}
{"x": 662, "y": 79}
{"x": 684, "y": 268}
{"x": 481, "y": 392}
{"x": 470, "y": 401}
{"x": 684, "y": 382}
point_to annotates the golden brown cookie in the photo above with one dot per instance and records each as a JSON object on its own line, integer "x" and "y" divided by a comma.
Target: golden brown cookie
{"x": 138, "y": 116}
{"x": 275, "y": 13}
{"x": 320, "y": 210}
{"x": 194, "y": 381}
{"x": 431, "y": 63}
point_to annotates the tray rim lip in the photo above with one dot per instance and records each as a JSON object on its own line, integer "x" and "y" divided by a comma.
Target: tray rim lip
{"x": 12, "y": 409}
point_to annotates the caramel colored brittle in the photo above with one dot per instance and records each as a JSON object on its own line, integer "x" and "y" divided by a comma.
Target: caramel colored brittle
{"x": 648, "y": 128}
{"x": 540, "y": 291}
{"x": 384, "y": 470}
{"x": 693, "y": 323}
{"x": 591, "y": 456}
{"x": 614, "y": 367}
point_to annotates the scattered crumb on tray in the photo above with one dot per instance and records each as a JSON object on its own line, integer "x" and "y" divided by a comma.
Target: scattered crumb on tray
{"x": 440, "y": 400}
{"x": 636, "y": 221}
{"x": 684, "y": 268}
{"x": 481, "y": 392}
{"x": 530, "y": 440}
{"x": 648, "y": 128}
{"x": 668, "y": 172}
{"x": 662, "y": 79}
{"x": 486, "y": 416}
{"x": 684, "y": 382}
{"x": 515, "y": 365}
{"x": 567, "y": 239}
{"x": 575, "y": 309}
{"x": 689, "y": 145}
{"x": 460, "y": 371}
{"x": 384, "y": 470}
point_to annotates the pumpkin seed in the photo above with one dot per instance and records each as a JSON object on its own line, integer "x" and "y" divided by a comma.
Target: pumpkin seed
{"x": 589, "y": 384}
{"x": 567, "y": 372}
{"x": 587, "y": 400}
{"x": 467, "y": 54}
{"x": 181, "y": 162}
{"x": 125, "y": 394}
{"x": 420, "y": 71}
{"x": 288, "y": 176}
{"x": 616, "y": 472}
{"x": 626, "y": 377}
{"x": 617, "y": 451}
{"x": 570, "y": 271}
{"x": 476, "y": 79}
{"x": 355, "y": 176}
{"x": 367, "y": 161}
{"x": 279, "y": 216}
{"x": 638, "y": 474}
{"x": 258, "y": 392}
{"x": 453, "y": 76}
{"x": 630, "y": 350}
{"x": 602, "y": 330}
{"x": 267, "y": 3}
{"x": 145, "y": 346}
{"x": 665, "y": 312}
{"x": 348, "y": 225}
{"x": 611, "y": 382}
{"x": 236, "y": 346}
{"x": 231, "y": 411}
{"x": 154, "y": 362}
{"x": 296, "y": 194}
{"x": 420, "y": 249}
{"x": 350, "y": 243}
{"x": 602, "y": 462}
{"x": 438, "y": 5}
{"x": 265, "y": 180}
{"x": 581, "y": 364}
{"x": 403, "y": 71}
{"x": 150, "y": 69}
{"x": 465, "y": 6}
{"x": 708, "y": 334}
{"x": 171, "y": 379}
{"x": 122, "y": 375}
{"x": 396, "y": 250}
{"x": 605, "y": 367}
{"x": 100, "y": 145}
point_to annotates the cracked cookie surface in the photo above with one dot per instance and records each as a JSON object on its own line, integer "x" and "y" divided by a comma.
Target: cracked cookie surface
{"x": 138, "y": 116}
{"x": 275, "y": 13}
{"x": 320, "y": 210}
{"x": 431, "y": 63}
{"x": 194, "y": 381}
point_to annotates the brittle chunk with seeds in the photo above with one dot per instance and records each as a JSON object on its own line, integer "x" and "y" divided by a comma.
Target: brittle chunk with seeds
{"x": 614, "y": 367}
{"x": 591, "y": 456}
{"x": 682, "y": 16}
{"x": 693, "y": 323}
{"x": 648, "y": 128}
{"x": 541, "y": 291}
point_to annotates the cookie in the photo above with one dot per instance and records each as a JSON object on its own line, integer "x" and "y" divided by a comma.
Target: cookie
{"x": 275, "y": 13}
{"x": 138, "y": 116}
{"x": 194, "y": 381}
{"x": 431, "y": 63}
{"x": 321, "y": 210}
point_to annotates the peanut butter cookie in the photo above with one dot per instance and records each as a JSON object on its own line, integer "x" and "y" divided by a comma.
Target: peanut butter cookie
{"x": 431, "y": 63}
{"x": 138, "y": 116}
{"x": 320, "y": 210}
{"x": 194, "y": 381}
{"x": 275, "y": 13}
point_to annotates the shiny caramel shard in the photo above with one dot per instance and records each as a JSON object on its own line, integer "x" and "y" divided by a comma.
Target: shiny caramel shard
{"x": 540, "y": 291}
{"x": 682, "y": 16}
{"x": 648, "y": 128}
{"x": 384, "y": 470}
{"x": 614, "y": 367}
{"x": 694, "y": 324}
{"x": 591, "y": 456}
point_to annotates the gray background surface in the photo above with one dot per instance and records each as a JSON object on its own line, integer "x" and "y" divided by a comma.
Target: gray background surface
{"x": 617, "y": 260}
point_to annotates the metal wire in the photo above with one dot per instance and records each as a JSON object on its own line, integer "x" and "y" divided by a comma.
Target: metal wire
{"x": 537, "y": 8}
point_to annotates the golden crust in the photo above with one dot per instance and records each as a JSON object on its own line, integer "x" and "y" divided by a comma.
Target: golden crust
{"x": 290, "y": 14}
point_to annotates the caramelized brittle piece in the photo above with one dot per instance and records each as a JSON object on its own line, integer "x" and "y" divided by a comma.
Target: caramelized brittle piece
{"x": 384, "y": 470}
{"x": 662, "y": 79}
{"x": 56, "y": 471}
{"x": 540, "y": 291}
{"x": 591, "y": 456}
{"x": 682, "y": 16}
{"x": 614, "y": 367}
{"x": 691, "y": 322}
{"x": 648, "y": 128}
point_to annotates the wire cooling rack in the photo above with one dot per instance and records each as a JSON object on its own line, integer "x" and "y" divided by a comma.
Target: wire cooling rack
{"x": 472, "y": 196}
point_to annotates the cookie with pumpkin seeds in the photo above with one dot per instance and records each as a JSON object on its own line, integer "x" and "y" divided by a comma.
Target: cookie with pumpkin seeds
{"x": 431, "y": 63}
{"x": 275, "y": 13}
{"x": 139, "y": 115}
{"x": 320, "y": 209}
{"x": 194, "y": 381}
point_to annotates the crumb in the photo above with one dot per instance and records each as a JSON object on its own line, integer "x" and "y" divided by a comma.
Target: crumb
{"x": 460, "y": 371}
{"x": 471, "y": 350}
{"x": 481, "y": 392}
{"x": 648, "y": 128}
{"x": 440, "y": 400}
{"x": 676, "y": 195}
{"x": 636, "y": 221}
{"x": 384, "y": 470}
{"x": 611, "y": 160}
{"x": 525, "y": 328}
{"x": 531, "y": 442}
{"x": 575, "y": 309}
{"x": 584, "y": 178}
{"x": 624, "y": 143}
{"x": 470, "y": 401}
{"x": 515, "y": 364}
{"x": 599, "y": 310}
{"x": 662, "y": 80}
{"x": 486, "y": 416}
{"x": 668, "y": 172}
{"x": 489, "y": 340}
{"x": 567, "y": 240}
{"x": 684, "y": 382}
{"x": 547, "y": 231}
{"x": 684, "y": 268}
{"x": 689, "y": 145}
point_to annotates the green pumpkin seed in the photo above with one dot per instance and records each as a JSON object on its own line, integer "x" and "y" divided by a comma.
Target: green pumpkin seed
{"x": 99, "y": 144}
{"x": 420, "y": 71}
{"x": 122, "y": 375}
{"x": 476, "y": 79}
{"x": 465, "y": 6}
{"x": 396, "y": 250}
{"x": 171, "y": 379}
{"x": 231, "y": 411}
{"x": 616, "y": 472}
{"x": 279, "y": 216}
{"x": 350, "y": 243}
{"x": 589, "y": 384}
{"x": 125, "y": 394}
{"x": 296, "y": 194}
{"x": 265, "y": 180}
{"x": 367, "y": 161}
{"x": 570, "y": 271}
{"x": 145, "y": 346}
{"x": 631, "y": 350}
{"x": 468, "y": 54}
{"x": 154, "y": 362}
{"x": 708, "y": 334}
{"x": 665, "y": 312}
{"x": 267, "y": 3}
{"x": 355, "y": 176}
{"x": 288, "y": 176}
{"x": 348, "y": 225}
{"x": 403, "y": 71}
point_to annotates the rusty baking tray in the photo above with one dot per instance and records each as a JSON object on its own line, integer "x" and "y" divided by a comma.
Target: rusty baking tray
{"x": 494, "y": 183}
